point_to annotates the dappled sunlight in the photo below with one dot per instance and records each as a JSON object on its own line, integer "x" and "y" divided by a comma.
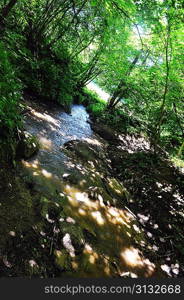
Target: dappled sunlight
{"x": 91, "y": 138}
{"x": 91, "y": 200}
{"x": 157, "y": 200}
{"x": 45, "y": 143}
{"x": 133, "y": 143}
{"x": 113, "y": 227}
{"x": 41, "y": 178}
{"x": 90, "y": 214}
{"x": 93, "y": 141}
{"x": 98, "y": 217}
{"x": 33, "y": 164}
{"x": 169, "y": 269}
{"x": 132, "y": 258}
{"x": 46, "y": 174}
{"x": 92, "y": 264}
{"x": 45, "y": 117}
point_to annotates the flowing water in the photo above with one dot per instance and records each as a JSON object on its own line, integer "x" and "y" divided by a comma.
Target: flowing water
{"x": 53, "y": 128}
{"x": 111, "y": 228}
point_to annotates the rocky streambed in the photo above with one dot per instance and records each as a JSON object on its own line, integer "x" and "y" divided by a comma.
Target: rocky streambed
{"x": 71, "y": 214}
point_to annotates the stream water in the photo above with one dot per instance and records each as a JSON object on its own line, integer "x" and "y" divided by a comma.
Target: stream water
{"x": 110, "y": 227}
{"x": 53, "y": 128}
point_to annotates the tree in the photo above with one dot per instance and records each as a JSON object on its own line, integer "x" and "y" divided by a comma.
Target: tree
{"x": 5, "y": 12}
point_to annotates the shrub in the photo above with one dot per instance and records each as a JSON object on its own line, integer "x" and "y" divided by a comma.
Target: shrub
{"x": 10, "y": 94}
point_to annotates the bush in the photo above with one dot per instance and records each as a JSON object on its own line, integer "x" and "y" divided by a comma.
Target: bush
{"x": 96, "y": 109}
{"x": 94, "y": 104}
{"x": 10, "y": 93}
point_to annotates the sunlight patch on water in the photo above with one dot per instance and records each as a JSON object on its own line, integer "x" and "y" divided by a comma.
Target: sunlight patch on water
{"x": 47, "y": 174}
{"x": 45, "y": 117}
{"x": 45, "y": 143}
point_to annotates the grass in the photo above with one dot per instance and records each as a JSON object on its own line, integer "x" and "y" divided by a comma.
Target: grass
{"x": 94, "y": 104}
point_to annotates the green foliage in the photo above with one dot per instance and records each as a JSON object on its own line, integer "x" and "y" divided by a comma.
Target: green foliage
{"x": 151, "y": 89}
{"x": 94, "y": 104}
{"x": 96, "y": 109}
{"x": 91, "y": 97}
{"x": 10, "y": 95}
{"x": 134, "y": 49}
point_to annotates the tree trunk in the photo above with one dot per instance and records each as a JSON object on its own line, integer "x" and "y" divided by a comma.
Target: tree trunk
{"x": 122, "y": 86}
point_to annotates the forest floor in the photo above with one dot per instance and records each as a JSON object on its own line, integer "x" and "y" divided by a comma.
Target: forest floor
{"x": 115, "y": 209}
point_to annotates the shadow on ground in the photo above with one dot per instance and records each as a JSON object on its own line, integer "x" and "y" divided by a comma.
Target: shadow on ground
{"x": 157, "y": 190}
